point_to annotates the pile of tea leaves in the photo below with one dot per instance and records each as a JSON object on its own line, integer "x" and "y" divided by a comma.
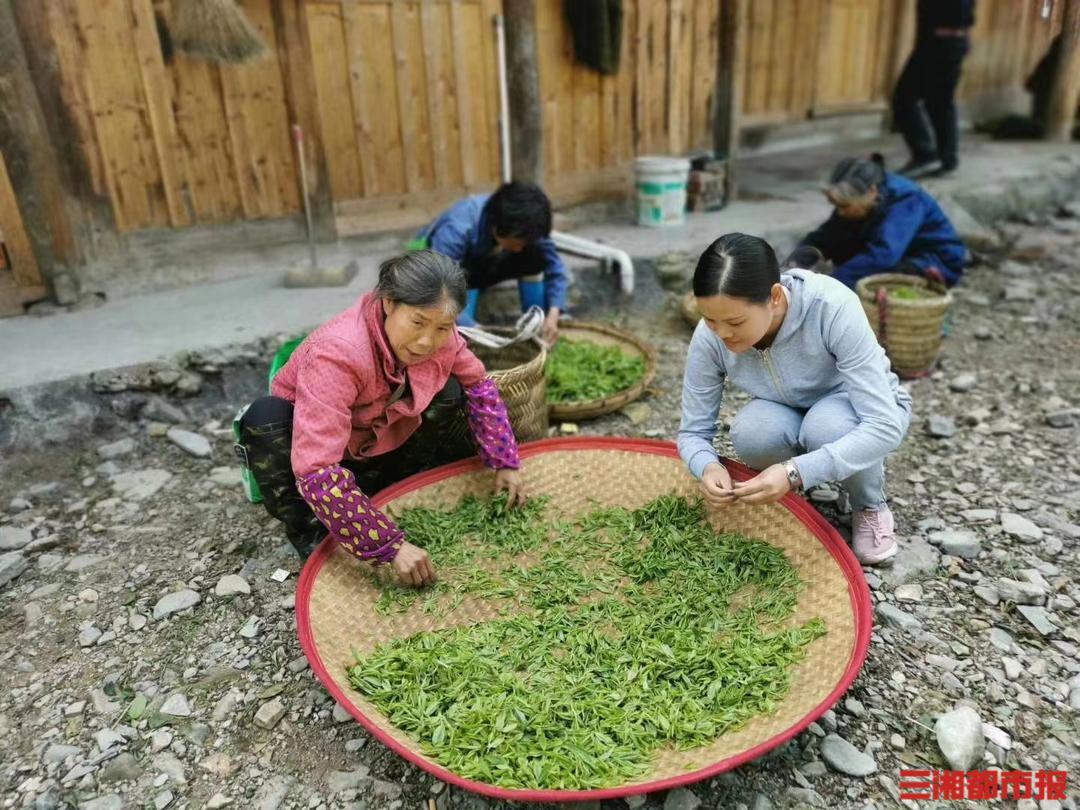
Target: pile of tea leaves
{"x": 905, "y": 293}
{"x": 622, "y": 633}
{"x": 579, "y": 370}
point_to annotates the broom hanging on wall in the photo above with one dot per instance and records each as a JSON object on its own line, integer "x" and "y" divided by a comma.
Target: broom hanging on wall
{"x": 215, "y": 30}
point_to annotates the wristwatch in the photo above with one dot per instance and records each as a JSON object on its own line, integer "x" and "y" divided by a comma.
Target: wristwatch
{"x": 793, "y": 476}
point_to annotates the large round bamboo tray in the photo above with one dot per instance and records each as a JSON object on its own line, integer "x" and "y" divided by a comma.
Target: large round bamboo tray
{"x": 518, "y": 371}
{"x": 909, "y": 330}
{"x": 335, "y": 599}
{"x": 605, "y": 336}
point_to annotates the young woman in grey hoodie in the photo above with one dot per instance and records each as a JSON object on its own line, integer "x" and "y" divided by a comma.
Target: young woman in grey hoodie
{"x": 826, "y": 405}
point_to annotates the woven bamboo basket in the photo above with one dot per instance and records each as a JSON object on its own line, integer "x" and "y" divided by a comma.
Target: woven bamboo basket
{"x": 909, "y": 330}
{"x": 605, "y": 336}
{"x": 336, "y": 598}
{"x": 518, "y": 371}
{"x": 689, "y": 308}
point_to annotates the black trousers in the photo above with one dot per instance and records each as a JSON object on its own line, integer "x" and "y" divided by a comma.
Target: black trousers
{"x": 924, "y": 106}
{"x": 490, "y": 270}
{"x": 266, "y": 439}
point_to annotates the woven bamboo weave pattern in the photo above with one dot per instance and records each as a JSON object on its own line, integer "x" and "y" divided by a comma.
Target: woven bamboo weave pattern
{"x": 518, "y": 371}
{"x": 913, "y": 328}
{"x": 342, "y": 598}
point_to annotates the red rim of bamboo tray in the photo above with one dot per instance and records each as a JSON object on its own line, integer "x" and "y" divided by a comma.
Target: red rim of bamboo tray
{"x": 858, "y": 592}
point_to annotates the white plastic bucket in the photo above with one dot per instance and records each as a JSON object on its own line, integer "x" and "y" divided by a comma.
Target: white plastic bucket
{"x": 661, "y": 190}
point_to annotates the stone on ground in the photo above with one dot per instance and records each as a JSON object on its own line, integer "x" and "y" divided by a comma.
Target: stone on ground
{"x": 960, "y": 737}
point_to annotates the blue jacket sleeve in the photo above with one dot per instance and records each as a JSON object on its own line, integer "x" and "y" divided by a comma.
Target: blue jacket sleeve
{"x": 555, "y": 277}
{"x": 450, "y": 237}
{"x": 703, "y": 394}
{"x": 889, "y": 244}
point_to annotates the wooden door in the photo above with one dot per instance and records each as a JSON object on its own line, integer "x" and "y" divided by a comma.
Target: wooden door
{"x": 856, "y": 41}
{"x": 20, "y": 280}
{"x": 408, "y": 102}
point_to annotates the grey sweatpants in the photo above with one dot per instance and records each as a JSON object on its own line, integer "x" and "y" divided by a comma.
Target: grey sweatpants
{"x": 766, "y": 433}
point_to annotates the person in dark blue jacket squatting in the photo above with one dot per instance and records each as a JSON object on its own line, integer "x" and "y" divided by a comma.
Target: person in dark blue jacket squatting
{"x": 885, "y": 223}
{"x": 506, "y": 235}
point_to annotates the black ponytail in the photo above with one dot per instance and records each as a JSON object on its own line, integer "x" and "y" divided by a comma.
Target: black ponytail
{"x": 738, "y": 265}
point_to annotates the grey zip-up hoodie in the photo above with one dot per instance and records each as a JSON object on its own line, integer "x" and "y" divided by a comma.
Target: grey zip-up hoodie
{"x": 825, "y": 346}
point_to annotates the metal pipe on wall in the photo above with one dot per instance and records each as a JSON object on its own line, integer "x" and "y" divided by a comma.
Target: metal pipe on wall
{"x": 504, "y": 98}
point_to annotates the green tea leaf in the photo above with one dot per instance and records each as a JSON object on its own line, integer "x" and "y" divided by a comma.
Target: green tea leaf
{"x": 579, "y": 369}
{"x": 630, "y": 632}
{"x": 137, "y": 707}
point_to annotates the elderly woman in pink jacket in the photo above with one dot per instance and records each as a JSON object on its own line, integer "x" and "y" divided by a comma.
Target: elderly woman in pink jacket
{"x": 384, "y": 390}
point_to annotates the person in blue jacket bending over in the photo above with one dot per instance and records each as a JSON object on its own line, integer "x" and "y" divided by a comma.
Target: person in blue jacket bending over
{"x": 502, "y": 236}
{"x": 885, "y": 223}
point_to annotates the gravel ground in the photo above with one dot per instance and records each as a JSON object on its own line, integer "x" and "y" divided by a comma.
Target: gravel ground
{"x": 150, "y": 660}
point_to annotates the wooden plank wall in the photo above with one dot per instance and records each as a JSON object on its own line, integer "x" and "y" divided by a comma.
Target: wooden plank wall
{"x": 803, "y": 58}
{"x": 1008, "y": 41}
{"x": 660, "y": 101}
{"x": 817, "y": 57}
{"x": 172, "y": 143}
{"x": 20, "y": 279}
{"x": 854, "y": 56}
{"x": 408, "y": 101}
{"x": 409, "y": 105}
{"x": 809, "y": 58}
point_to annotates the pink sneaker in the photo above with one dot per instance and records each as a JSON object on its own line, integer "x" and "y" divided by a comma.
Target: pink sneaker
{"x": 873, "y": 537}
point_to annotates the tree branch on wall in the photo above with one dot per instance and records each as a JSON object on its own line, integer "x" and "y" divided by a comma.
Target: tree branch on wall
{"x": 727, "y": 99}
{"x": 523, "y": 80}
{"x": 32, "y": 163}
{"x": 1065, "y": 85}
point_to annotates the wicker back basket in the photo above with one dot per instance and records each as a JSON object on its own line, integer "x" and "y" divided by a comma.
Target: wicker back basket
{"x": 518, "y": 371}
{"x": 910, "y": 330}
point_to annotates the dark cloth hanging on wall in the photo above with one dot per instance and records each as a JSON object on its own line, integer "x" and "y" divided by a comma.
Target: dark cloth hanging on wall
{"x": 596, "y": 26}
{"x": 1040, "y": 80}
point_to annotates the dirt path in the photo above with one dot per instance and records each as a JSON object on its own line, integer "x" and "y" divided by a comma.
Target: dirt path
{"x": 104, "y": 539}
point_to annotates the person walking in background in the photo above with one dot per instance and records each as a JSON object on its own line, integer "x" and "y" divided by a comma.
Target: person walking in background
{"x": 923, "y": 105}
